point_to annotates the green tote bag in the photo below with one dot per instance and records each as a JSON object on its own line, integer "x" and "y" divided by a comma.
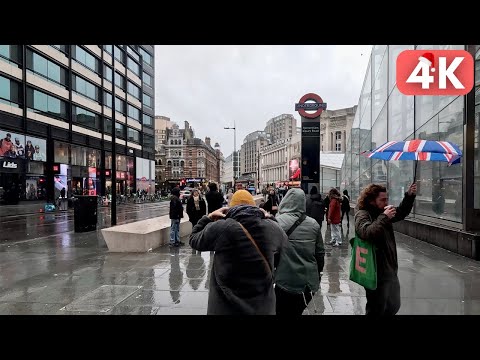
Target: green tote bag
{"x": 363, "y": 266}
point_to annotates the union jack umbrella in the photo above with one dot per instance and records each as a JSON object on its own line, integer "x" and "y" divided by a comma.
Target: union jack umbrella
{"x": 423, "y": 150}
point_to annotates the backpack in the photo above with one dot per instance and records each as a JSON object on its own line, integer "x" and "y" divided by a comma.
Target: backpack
{"x": 345, "y": 202}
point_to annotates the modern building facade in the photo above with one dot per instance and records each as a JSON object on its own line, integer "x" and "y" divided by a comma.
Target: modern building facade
{"x": 68, "y": 109}
{"x": 227, "y": 179}
{"x": 447, "y": 207}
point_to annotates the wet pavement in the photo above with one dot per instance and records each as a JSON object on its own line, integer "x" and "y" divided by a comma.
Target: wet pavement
{"x": 46, "y": 268}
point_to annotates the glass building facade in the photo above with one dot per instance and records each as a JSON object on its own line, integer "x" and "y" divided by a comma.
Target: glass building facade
{"x": 77, "y": 104}
{"x": 448, "y": 196}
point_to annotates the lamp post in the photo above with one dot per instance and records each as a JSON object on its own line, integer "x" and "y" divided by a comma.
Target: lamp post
{"x": 234, "y": 128}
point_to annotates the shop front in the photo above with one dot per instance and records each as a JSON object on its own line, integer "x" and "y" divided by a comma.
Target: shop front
{"x": 22, "y": 170}
{"x": 124, "y": 176}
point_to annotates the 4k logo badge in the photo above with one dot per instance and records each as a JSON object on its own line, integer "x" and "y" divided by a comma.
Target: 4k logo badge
{"x": 435, "y": 72}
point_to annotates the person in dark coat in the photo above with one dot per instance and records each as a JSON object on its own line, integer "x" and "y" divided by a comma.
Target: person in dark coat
{"x": 196, "y": 207}
{"x": 214, "y": 198}
{"x": 345, "y": 206}
{"x": 176, "y": 213}
{"x": 272, "y": 203}
{"x": 247, "y": 243}
{"x": 314, "y": 206}
{"x": 373, "y": 223}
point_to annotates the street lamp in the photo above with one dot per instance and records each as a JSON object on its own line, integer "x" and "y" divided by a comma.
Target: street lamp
{"x": 234, "y": 128}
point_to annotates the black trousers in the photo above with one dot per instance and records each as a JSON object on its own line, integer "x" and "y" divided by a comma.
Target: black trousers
{"x": 291, "y": 304}
{"x": 385, "y": 299}
{"x": 348, "y": 217}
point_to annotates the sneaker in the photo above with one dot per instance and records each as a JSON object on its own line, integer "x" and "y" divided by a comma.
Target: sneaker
{"x": 180, "y": 243}
{"x": 331, "y": 242}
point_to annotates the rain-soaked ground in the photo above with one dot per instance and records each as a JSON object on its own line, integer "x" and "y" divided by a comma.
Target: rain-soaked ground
{"x": 46, "y": 268}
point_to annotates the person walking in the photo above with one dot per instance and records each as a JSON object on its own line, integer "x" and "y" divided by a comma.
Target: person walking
{"x": 196, "y": 207}
{"x": 272, "y": 203}
{"x": 295, "y": 288}
{"x": 314, "y": 206}
{"x": 373, "y": 223}
{"x": 214, "y": 198}
{"x": 229, "y": 196}
{"x": 333, "y": 217}
{"x": 176, "y": 214}
{"x": 247, "y": 243}
{"x": 345, "y": 207}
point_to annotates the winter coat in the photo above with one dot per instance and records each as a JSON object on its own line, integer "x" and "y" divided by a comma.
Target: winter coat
{"x": 240, "y": 282}
{"x": 372, "y": 225}
{"x": 176, "y": 208}
{"x": 345, "y": 203}
{"x": 272, "y": 201}
{"x": 334, "y": 211}
{"x": 193, "y": 214}
{"x": 214, "y": 200}
{"x": 302, "y": 260}
{"x": 315, "y": 207}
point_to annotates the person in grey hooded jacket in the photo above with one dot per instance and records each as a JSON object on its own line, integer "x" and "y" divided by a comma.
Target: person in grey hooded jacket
{"x": 298, "y": 272}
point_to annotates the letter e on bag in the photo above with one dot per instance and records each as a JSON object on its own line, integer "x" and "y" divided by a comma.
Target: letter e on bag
{"x": 360, "y": 259}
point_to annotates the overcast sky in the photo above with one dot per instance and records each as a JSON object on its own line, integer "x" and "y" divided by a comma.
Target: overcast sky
{"x": 211, "y": 86}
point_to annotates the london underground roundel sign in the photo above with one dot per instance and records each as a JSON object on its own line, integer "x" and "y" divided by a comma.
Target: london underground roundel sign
{"x": 302, "y": 107}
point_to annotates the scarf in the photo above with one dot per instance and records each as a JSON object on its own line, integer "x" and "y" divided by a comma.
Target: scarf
{"x": 196, "y": 201}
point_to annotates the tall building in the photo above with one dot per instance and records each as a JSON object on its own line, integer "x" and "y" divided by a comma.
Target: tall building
{"x": 65, "y": 106}
{"x": 334, "y": 127}
{"x": 447, "y": 206}
{"x": 162, "y": 123}
{"x": 250, "y": 155}
{"x": 281, "y": 127}
{"x": 227, "y": 178}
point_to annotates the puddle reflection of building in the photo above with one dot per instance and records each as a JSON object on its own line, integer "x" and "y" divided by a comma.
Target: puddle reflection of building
{"x": 195, "y": 269}
{"x": 209, "y": 270}
{"x": 175, "y": 278}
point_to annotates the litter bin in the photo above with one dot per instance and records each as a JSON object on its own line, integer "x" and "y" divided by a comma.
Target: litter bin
{"x": 85, "y": 213}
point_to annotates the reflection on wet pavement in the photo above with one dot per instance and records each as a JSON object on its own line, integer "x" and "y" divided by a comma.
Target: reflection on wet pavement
{"x": 57, "y": 271}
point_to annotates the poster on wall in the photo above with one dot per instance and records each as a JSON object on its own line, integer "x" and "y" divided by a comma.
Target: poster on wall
{"x": 35, "y": 148}
{"x": 295, "y": 171}
{"x": 12, "y": 145}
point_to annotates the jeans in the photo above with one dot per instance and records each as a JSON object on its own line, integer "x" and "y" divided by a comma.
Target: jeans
{"x": 175, "y": 231}
{"x": 336, "y": 233}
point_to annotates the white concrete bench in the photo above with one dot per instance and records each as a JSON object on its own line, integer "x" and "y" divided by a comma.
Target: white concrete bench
{"x": 140, "y": 236}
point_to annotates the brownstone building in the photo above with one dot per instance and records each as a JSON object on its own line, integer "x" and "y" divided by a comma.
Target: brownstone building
{"x": 191, "y": 159}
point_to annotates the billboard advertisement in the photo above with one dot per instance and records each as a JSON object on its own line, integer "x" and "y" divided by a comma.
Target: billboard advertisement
{"x": 14, "y": 145}
{"x": 295, "y": 172}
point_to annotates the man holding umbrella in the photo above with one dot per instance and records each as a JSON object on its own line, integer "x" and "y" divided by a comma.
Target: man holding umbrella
{"x": 373, "y": 223}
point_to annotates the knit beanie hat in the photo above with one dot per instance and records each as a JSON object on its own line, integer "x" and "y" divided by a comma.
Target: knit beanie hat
{"x": 242, "y": 197}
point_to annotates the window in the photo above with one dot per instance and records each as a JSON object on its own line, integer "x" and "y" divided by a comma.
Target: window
{"x": 132, "y": 65}
{"x": 147, "y": 120}
{"x": 46, "y": 68}
{"x": 62, "y": 48}
{"x": 338, "y": 135}
{"x": 41, "y": 102}
{"x": 119, "y": 130}
{"x": 86, "y": 118}
{"x": 147, "y": 79}
{"x": 119, "y": 54}
{"x": 133, "y": 112}
{"x": 182, "y": 163}
{"x": 86, "y": 88}
{"x": 147, "y": 58}
{"x": 120, "y": 81}
{"x": 86, "y": 59}
{"x": 133, "y": 90}
{"x": 11, "y": 53}
{"x": 108, "y": 49}
{"x": 107, "y": 126}
{"x": 190, "y": 153}
{"x": 108, "y": 73}
{"x": 338, "y": 147}
{"x": 120, "y": 105}
{"x": 133, "y": 135}
{"x": 179, "y": 153}
{"x": 132, "y": 53}
{"x": 190, "y": 163}
{"x": 147, "y": 101}
{"x": 10, "y": 92}
{"x": 148, "y": 141}
{"x": 107, "y": 99}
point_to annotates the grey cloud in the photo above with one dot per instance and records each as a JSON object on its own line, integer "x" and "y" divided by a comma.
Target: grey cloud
{"x": 210, "y": 86}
